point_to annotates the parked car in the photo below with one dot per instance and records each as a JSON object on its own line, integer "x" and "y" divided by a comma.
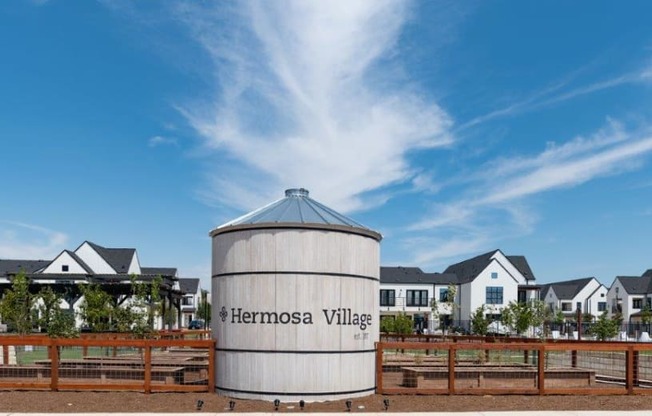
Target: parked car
{"x": 196, "y": 324}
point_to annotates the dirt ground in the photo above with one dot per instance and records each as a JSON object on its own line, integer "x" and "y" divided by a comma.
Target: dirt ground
{"x": 70, "y": 402}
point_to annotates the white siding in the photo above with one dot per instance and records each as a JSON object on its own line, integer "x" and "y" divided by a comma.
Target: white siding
{"x": 64, "y": 259}
{"x": 475, "y": 293}
{"x": 134, "y": 266}
{"x": 94, "y": 260}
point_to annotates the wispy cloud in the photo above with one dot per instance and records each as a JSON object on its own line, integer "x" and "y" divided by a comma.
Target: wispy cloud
{"x": 161, "y": 141}
{"x": 27, "y": 241}
{"x": 558, "y": 93}
{"x": 304, "y": 101}
{"x": 494, "y": 206}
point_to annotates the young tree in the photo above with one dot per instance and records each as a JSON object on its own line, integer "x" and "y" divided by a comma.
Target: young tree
{"x": 146, "y": 305}
{"x": 56, "y": 321}
{"x": 646, "y": 316}
{"x": 96, "y": 308}
{"x": 520, "y": 316}
{"x": 204, "y": 308}
{"x": 605, "y": 328}
{"x": 17, "y": 303}
{"x": 403, "y": 324}
{"x": 451, "y": 292}
{"x": 479, "y": 322}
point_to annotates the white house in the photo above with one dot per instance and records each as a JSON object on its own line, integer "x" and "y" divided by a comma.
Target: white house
{"x": 190, "y": 302}
{"x": 491, "y": 279}
{"x": 494, "y": 280}
{"x": 587, "y": 295}
{"x": 628, "y": 295}
{"x": 91, "y": 263}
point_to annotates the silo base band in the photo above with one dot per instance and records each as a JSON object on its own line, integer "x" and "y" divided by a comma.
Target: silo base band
{"x": 301, "y": 393}
{"x": 297, "y": 352}
{"x": 302, "y": 273}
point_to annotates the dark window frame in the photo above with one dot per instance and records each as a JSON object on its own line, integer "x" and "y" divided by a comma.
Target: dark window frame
{"x": 494, "y": 295}
{"x": 416, "y": 298}
{"x": 387, "y": 297}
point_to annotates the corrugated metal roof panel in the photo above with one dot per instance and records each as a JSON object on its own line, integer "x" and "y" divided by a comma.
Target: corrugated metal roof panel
{"x": 298, "y": 208}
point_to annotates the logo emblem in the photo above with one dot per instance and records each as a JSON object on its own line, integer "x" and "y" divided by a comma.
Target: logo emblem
{"x": 223, "y": 314}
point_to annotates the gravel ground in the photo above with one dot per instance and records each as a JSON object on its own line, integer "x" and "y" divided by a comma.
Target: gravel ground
{"x": 70, "y": 402}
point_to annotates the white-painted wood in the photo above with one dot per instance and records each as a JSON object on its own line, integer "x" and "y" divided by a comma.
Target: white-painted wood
{"x": 93, "y": 259}
{"x": 64, "y": 259}
{"x": 303, "y": 272}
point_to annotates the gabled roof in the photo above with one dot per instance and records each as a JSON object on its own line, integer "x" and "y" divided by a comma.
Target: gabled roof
{"x": 467, "y": 270}
{"x": 567, "y": 289}
{"x": 648, "y": 273}
{"x": 163, "y": 271}
{"x": 8, "y": 267}
{"x": 188, "y": 286}
{"x": 635, "y": 285}
{"x": 79, "y": 261}
{"x": 521, "y": 264}
{"x": 118, "y": 258}
{"x": 414, "y": 275}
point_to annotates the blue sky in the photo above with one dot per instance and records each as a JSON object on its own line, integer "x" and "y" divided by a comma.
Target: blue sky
{"x": 453, "y": 128}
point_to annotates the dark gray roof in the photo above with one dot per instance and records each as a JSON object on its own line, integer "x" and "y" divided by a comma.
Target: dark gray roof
{"x": 188, "y": 286}
{"x": 520, "y": 262}
{"x": 635, "y": 285}
{"x": 407, "y": 275}
{"x": 648, "y": 273}
{"x": 8, "y": 267}
{"x": 567, "y": 289}
{"x": 118, "y": 258}
{"x": 296, "y": 208}
{"x": 467, "y": 270}
{"x": 163, "y": 271}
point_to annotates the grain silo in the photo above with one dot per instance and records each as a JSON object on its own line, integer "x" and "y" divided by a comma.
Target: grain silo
{"x": 295, "y": 303}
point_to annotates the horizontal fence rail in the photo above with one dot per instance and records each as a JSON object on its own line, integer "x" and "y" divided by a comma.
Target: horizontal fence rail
{"x": 105, "y": 362}
{"x": 495, "y": 368}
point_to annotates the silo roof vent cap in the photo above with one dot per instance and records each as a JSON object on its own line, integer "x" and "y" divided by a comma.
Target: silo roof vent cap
{"x": 296, "y": 192}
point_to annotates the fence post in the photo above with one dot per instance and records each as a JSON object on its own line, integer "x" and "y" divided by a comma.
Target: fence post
{"x": 53, "y": 349}
{"x": 379, "y": 368}
{"x": 148, "y": 367}
{"x": 212, "y": 367}
{"x": 629, "y": 372}
{"x": 5, "y": 354}
{"x": 451, "y": 368}
{"x": 574, "y": 359}
{"x": 541, "y": 371}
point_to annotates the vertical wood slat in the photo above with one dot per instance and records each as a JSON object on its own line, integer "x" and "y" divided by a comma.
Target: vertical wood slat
{"x": 541, "y": 370}
{"x": 451, "y": 368}
{"x": 5, "y": 354}
{"x": 629, "y": 372}
{"x": 379, "y": 368}
{"x": 148, "y": 368}
{"x": 53, "y": 349}
{"x": 211, "y": 368}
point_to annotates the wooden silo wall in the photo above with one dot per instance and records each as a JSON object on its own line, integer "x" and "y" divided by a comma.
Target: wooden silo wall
{"x": 295, "y": 313}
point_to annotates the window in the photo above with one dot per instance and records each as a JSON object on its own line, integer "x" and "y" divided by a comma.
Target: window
{"x": 602, "y": 306}
{"x": 494, "y": 275}
{"x": 64, "y": 267}
{"x": 187, "y": 301}
{"x": 387, "y": 297}
{"x": 443, "y": 295}
{"x": 417, "y": 298}
{"x": 578, "y": 306}
{"x": 566, "y": 306}
{"x": 494, "y": 295}
{"x": 637, "y": 303}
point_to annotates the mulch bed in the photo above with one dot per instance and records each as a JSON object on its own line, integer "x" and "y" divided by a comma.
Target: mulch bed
{"x": 112, "y": 402}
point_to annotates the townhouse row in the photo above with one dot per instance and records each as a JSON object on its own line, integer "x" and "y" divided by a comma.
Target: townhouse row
{"x": 494, "y": 280}
{"x": 113, "y": 269}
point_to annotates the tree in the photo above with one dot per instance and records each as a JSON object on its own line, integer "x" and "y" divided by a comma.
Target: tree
{"x": 204, "y": 308}
{"x": 605, "y": 328}
{"x": 520, "y": 316}
{"x": 147, "y": 305}
{"x": 646, "y": 316}
{"x": 451, "y": 292}
{"x": 479, "y": 322}
{"x": 17, "y": 303}
{"x": 56, "y": 321}
{"x": 401, "y": 324}
{"x": 96, "y": 308}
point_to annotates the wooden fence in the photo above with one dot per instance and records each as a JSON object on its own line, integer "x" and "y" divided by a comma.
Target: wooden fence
{"x": 107, "y": 362}
{"x": 476, "y": 367}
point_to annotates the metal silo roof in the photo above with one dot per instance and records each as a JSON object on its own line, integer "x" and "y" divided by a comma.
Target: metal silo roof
{"x": 295, "y": 209}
